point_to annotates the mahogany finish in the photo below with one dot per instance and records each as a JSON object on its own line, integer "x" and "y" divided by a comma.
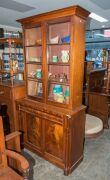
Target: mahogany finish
{"x": 98, "y": 105}
{"x": 54, "y": 130}
{"x": 13, "y": 143}
{"x": 97, "y": 100}
{"x": 55, "y": 133}
{"x": 8, "y": 95}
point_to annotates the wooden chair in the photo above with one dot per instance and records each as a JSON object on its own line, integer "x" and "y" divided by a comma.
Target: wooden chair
{"x": 6, "y": 172}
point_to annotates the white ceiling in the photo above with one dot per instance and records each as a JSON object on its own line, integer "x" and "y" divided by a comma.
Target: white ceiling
{"x": 10, "y": 10}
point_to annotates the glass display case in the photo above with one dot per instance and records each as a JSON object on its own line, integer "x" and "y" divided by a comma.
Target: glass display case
{"x": 55, "y": 65}
{"x": 33, "y": 46}
{"x": 51, "y": 58}
{"x": 98, "y": 47}
{"x": 11, "y": 60}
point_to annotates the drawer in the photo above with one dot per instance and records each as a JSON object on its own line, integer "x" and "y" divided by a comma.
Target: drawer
{"x": 5, "y": 92}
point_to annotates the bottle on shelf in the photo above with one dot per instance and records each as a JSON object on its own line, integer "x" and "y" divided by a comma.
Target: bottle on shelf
{"x": 67, "y": 95}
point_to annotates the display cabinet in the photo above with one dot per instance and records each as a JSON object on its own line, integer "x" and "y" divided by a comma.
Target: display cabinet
{"x": 97, "y": 74}
{"x": 54, "y": 45}
{"x": 12, "y": 85}
{"x": 11, "y": 62}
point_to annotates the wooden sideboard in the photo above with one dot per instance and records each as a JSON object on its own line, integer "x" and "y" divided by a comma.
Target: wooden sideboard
{"x": 96, "y": 97}
{"x": 8, "y": 95}
{"x": 55, "y": 133}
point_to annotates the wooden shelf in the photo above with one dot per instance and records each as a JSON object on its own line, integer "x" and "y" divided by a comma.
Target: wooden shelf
{"x": 9, "y": 71}
{"x": 57, "y": 44}
{"x": 59, "y": 63}
{"x": 34, "y": 79}
{"x": 52, "y": 100}
{"x": 11, "y": 40}
{"x": 33, "y": 62}
{"x": 58, "y": 82}
{"x": 33, "y": 96}
{"x": 33, "y": 45}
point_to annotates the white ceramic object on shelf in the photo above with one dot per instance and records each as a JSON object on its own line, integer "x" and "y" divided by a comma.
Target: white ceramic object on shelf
{"x": 35, "y": 59}
{"x": 65, "y": 56}
{"x": 54, "y": 40}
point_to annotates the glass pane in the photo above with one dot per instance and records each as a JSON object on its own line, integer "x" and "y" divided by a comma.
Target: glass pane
{"x": 58, "y": 57}
{"x": 33, "y": 54}
{"x": 58, "y": 53}
{"x": 59, "y": 33}
{"x": 33, "y": 36}
{"x": 59, "y": 93}
{"x": 34, "y": 71}
{"x": 35, "y": 88}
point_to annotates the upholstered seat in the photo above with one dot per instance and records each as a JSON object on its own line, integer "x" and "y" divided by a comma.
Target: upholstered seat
{"x": 10, "y": 174}
{"x": 93, "y": 126}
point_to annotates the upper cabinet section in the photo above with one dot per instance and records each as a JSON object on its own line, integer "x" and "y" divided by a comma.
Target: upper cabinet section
{"x": 54, "y": 56}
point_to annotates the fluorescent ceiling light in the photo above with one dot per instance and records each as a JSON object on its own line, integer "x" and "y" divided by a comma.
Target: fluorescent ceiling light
{"x": 97, "y": 17}
{"x": 98, "y": 34}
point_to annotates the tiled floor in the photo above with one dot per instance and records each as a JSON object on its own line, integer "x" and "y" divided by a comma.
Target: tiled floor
{"x": 95, "y": 166}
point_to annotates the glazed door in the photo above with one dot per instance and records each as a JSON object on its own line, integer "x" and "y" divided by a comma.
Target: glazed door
{"x": 34, "y": 66}
{"x": 58, "y": 61}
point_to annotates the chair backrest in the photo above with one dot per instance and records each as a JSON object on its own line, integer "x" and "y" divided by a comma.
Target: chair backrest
{"x": 7, "y": 172}
{"x": 3, "y": 158}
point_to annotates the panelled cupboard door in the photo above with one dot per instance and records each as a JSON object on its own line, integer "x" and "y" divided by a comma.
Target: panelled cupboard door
{"x": 54, "y": 138}
{"x": 34, "y": 128}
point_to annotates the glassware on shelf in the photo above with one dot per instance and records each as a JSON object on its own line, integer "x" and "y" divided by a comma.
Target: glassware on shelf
{"x": 35, "y": 59}
{"x": 58, "y": 93}
{"x": 65, "y": 39}
{"x": 62, "y": 77}
{"x": 67, "y": 94}
{"x": 36, "y": 89}
{"x": 38, "y": 73}
{"x": 55, "y": 59}
{"x": 65, "y": 56}
{"x": 39, "y": 89}
{"x": 54, "y": 40}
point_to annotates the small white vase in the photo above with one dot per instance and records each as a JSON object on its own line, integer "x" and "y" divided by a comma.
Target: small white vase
{"x": 65, "y": 56}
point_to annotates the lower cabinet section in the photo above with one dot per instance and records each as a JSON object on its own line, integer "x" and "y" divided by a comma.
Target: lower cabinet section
{"x": 54, "y": 133}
